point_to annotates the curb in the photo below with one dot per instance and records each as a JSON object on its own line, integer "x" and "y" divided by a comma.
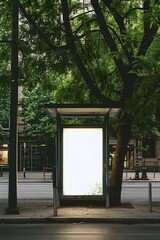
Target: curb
{"x": 59, "y": 220}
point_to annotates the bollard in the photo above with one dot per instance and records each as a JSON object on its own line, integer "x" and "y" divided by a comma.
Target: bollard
{"x": 24, "y": 173}
{"x": 154, "y": 173}
{"x": 54, "y": 191}
{"x": 1, "y": 171}
{"x": 150, "y": 195}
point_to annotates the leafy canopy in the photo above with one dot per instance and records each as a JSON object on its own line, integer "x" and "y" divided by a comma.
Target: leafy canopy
{"x": 37, "y": 122}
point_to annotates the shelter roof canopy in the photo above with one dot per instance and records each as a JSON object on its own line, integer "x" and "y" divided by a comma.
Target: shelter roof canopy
{"x": 80, "y": 109}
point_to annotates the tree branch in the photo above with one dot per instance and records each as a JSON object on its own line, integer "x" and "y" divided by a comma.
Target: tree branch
{"x": 82, "y": 25}
{"x": 40, "y": 33}
{"x": 70, "y": 39}
{"x": 107, "y": 36}
{"x": 149, "y": 31}
{"x": 118, "y": 18}
{"x": 130, "y": 10}
{"x": 120, "y": 22}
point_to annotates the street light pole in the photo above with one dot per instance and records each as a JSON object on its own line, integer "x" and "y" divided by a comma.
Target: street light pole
{"x": 13, "y": 144}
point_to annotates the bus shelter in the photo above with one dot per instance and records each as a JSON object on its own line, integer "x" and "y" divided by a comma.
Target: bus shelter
{"x": 82, "y": 156}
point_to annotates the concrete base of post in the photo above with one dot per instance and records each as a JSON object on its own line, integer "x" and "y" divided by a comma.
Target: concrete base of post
{"x": 136, "y": 177}
{"x": 12, "y": 211}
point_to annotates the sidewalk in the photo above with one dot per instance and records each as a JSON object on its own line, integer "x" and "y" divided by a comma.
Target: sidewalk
{"x": 41, "y": 211}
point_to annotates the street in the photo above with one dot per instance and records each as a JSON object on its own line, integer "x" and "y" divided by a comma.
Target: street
{"x": 80, "y": 231}
{"x": 138, "y": 191}
{"x": 131, "y": 191}
{"x": 29, "y": 190}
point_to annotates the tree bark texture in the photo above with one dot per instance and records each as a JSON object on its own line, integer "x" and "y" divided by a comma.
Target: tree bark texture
{"x": 123, "y": 133}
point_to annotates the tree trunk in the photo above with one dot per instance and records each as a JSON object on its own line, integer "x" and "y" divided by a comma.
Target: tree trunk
{"x": 123, "y": 133}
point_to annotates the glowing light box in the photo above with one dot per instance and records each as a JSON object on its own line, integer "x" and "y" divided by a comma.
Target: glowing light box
{"x": 82, "y": 161}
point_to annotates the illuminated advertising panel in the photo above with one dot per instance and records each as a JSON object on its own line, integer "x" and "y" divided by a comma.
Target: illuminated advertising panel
{"x": 82, "y": 161}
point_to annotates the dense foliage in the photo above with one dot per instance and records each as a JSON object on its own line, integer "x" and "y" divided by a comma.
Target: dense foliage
{"x": 4, "y": 112}
{"x": 37, "y": 123}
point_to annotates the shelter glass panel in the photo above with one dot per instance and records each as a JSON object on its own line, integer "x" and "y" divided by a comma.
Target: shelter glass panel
{"x": 82, "y": 161}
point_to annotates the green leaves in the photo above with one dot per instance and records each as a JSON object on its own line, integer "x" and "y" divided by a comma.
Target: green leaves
{"x": 5, "y": 41}
{"x": 44, "y": 57}
{"x": 4, "y": 113}
{"x": 36, "y": 120}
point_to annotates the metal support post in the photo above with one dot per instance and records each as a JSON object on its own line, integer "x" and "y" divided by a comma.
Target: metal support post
{"x": 58, "y": 156}
{"x": 107, "y": 157}
{"x": 24, "y": 161}
{"x": 55, "y": 192}
{"x": 13, "y": 145}
{"x": 150, "y": 195}
{"x": 136, "y": 168}
{"x": 158, "y": 160}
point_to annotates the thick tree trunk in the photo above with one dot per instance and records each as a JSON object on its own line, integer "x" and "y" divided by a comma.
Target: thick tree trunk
{"x": 123, "y": 132}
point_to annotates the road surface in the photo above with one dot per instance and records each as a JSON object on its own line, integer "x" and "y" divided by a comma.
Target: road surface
{"x": 80, "y": 232}
{"x": 139, "y": 191}
{"x": 131, "y": 191}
